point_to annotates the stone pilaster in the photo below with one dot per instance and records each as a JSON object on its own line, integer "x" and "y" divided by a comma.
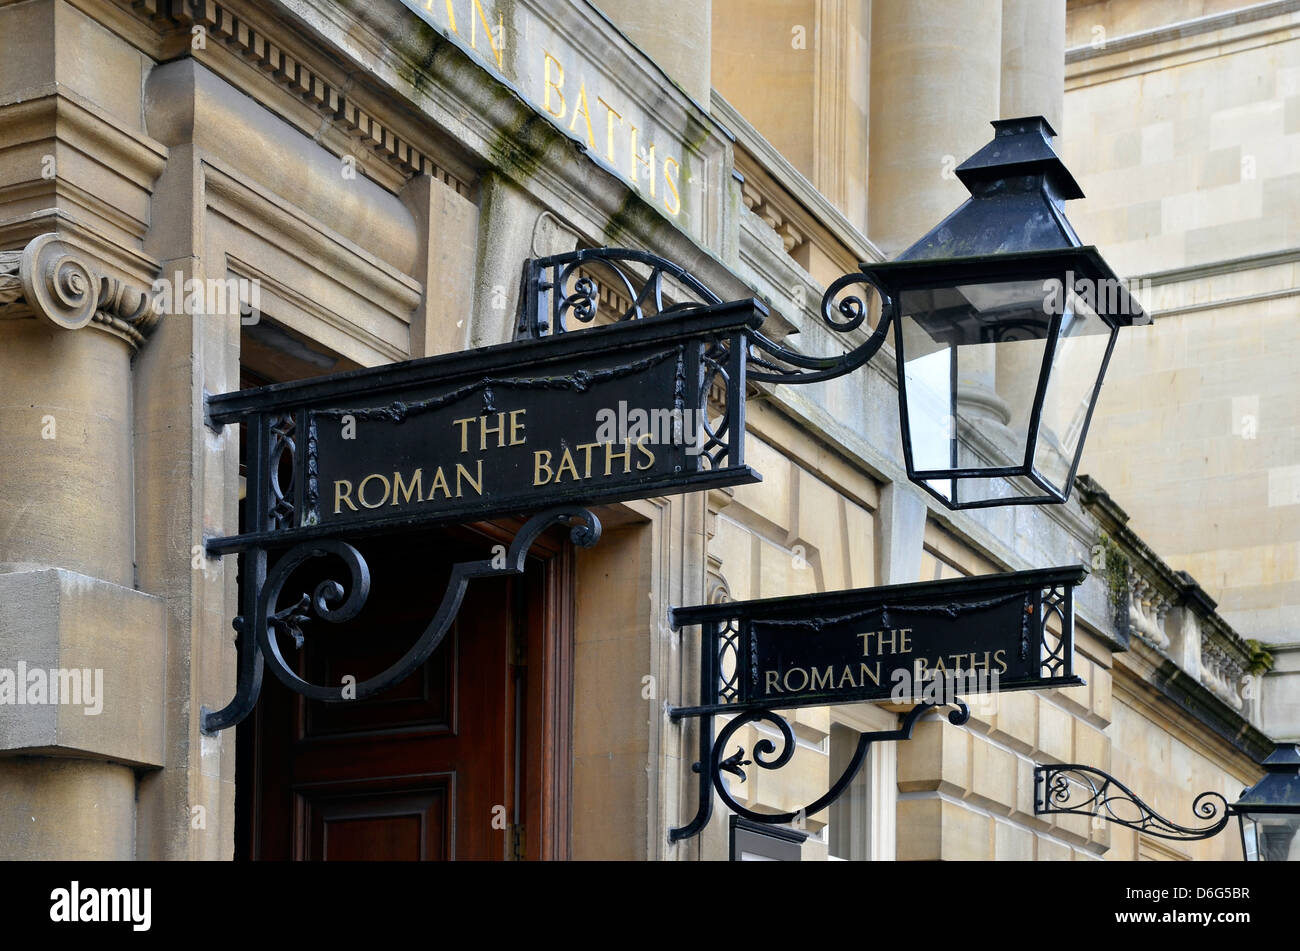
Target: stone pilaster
{"x": 82, "y": 647}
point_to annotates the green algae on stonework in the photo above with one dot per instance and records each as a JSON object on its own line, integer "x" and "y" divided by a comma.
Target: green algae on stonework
{"x": 634, "y": 216}
{"x": 1114, "y": 566}
{"x": 427, "y": 42}
{"x": 1261, "y": 661}
{"x": 511, "y": 149}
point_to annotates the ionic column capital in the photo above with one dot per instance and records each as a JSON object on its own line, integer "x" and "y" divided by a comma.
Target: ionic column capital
{"x": 58, "y": 280}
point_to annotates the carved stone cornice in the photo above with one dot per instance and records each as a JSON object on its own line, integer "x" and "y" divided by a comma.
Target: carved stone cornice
{"x": 325, "y": 95}
{"x": 59, "y": 281}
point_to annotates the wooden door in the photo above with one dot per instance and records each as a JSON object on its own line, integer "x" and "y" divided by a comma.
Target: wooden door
{"x": 465, "y": 759}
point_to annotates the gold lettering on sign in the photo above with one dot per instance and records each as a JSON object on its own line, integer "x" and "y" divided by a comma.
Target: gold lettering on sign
{"x": 539, "y": 464}
{"x": 412, "y": 487}
{"x": 475, "y": 481}
{"x": 439, "y": 482}
{"x": 473, "y": 27}
{"x": 343, "y": 495}
{"x": 473, "y": 31}
{"x": 451, "y": 14}
{"x": 516, "y": 427}
{"x": 637, "y": 161}
{"x": 893, "y": 641}
{"x": 556, "y": 105}
{"x": 361, "y": 490}
{"x": 464, "y": 431}
{"x": 549, "y": 84}
{"x": 586, "y": 448}
{"x": 566, "y": 462}
{"x": 611, "y": 455}
{"x": 581, "y": 107}
{"x": 676, "y": 205}
{"x": 649, "y": 456}
{"x": 516, "y": 430}
{"x": 484, "y": 431}
{"x": 610, "y": 116}
{"x": 575, "y": 463}
{"x": 820, "y": 679}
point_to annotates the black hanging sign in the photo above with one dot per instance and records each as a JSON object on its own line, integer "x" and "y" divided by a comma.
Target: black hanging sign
{"x": 932, "y": 640}
{"x": 609, "y": 414}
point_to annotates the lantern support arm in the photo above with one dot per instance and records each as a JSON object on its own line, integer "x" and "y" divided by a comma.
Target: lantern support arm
{"x": 1074, "y": 789}
{"x": 636, "y": 285}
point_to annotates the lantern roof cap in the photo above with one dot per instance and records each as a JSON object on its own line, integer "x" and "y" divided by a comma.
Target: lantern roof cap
{"x": 1279, "y": 790}
{"x": 1020, "y": 147}
{"x": 1018, "y": 187}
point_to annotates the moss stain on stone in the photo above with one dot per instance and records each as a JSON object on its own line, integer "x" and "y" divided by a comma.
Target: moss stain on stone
{"x": 513, "y": 151}
{"x": 1114, "y": 566}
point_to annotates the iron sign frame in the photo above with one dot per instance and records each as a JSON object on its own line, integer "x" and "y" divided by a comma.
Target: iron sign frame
{"x": 709, "y": 345}
{"x": 726, "y": 627}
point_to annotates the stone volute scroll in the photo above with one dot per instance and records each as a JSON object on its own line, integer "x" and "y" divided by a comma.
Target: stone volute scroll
{"x": 56, "y": 279}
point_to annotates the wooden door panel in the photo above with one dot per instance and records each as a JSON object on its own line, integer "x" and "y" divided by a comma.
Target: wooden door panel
{"x": 423, "y": 701}
{"x": 378, "y": 820}
{"x": 426, "y": 770}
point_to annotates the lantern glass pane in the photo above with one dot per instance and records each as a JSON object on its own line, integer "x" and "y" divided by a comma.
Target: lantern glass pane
{"x": 1275, "y": 836}
{"x": 1071, "y": 389}
{"x": 972, "y": 355}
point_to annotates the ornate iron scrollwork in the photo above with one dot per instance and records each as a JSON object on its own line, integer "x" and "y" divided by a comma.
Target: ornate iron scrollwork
{"x": 334, "y": 603}
{"x": 1012, "y": 612}
{"x": 1072, "y": 789}
{"x": 283, "y": 446}
{"x": 713, "y": 764}
{"x": 566, "y": 286}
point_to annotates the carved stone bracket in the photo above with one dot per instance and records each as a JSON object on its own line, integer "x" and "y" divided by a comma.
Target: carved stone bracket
{"x": 57, "y": 280}
{"x": 755, "y": 201}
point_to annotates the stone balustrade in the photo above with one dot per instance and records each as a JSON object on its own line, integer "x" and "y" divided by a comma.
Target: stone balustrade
{"x": 1168, "y": 611}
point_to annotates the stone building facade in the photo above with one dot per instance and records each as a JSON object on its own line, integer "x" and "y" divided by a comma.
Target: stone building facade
{"x": 353, "y": 184}
{"x": 1185, "y": 116}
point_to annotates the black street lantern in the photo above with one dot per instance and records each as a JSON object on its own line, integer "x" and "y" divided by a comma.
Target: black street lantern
{"x": 1004, "y": 324}
{"x": 1269, "y": 811}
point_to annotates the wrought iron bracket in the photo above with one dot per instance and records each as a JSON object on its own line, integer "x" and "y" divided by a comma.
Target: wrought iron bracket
{"x": 267, "y": 614}
{"x": 1073, "y": 789}
{"x": 636, "y": 285}
{"x": 712, "y": 763}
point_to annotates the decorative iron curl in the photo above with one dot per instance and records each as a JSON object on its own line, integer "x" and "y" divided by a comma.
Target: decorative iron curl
{"x": 714, "y": 443}
{"x": 764, "y": 748}
{"x": 852, "y": 307}
{"x": 771, "y": 362}
{"x": 583, "y": 301}
{"x": 551, "y": 291}
{"x": 283, "y": 497}
{"x": 328, "y": 602}
{"x": 1102, "y": 795}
